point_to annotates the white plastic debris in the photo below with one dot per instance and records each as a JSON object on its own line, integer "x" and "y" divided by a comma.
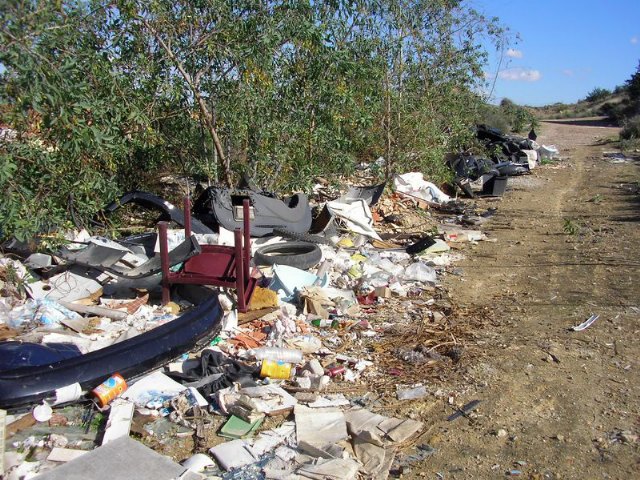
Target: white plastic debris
{"x": 43, "y": 412}
{"x": 356, "y": 216}
{"x": 549, "y": 152}
{"x": 414, "y": 184}
{"x": 197, "y": 462}
{"x": 66, "y": 286}
{"x": 420, "y": 272}
{"x": 532, "y": 158}
{"x": 587, "y": 323}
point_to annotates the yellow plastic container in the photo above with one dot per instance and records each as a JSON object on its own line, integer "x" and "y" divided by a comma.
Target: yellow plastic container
{"x": 275, "y": 369}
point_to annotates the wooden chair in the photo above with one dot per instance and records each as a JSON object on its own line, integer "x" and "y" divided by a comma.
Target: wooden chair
{"x": 216, "y": 265}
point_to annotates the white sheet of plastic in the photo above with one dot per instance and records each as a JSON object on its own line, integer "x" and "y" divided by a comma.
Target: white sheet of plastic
{"x": 414, "y": 184}
{"x": 532, "y": 158}
{"x": 356, "y": 216}
{"x": 548, "y": 152}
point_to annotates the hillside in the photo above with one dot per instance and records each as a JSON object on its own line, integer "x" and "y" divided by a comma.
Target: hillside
{"x": 607, "y": 104}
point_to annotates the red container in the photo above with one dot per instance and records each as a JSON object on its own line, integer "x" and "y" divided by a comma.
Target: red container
{"x": 335, "y": 371}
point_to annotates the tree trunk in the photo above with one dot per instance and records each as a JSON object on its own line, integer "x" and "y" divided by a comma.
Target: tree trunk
{"x": 387, "y": 126}
{"x": 208, "y": 119}
{"x": 194, "y": 84}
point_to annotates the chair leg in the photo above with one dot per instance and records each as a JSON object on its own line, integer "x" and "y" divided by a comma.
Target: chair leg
{"x": 242, "y": 305}
{"x": 164, "y": 262}
{"x": 247, "y": 238}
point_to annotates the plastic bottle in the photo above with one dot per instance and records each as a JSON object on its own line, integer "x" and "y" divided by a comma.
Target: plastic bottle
{"x": 325, "y": 323}
{"x": 287, "y": 355}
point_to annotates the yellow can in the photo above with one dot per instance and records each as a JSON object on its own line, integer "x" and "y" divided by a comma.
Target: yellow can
{"x": 275, "y": 369}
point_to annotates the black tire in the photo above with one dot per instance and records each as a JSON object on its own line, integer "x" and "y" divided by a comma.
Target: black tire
{"x": 302, "y": 237}
{"x": 301, "y": 255}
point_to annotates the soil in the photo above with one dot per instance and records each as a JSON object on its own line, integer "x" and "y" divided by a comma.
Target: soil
{"x": 555, "y": 403}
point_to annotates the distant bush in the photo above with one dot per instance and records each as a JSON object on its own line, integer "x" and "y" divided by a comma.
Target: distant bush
{"x": 508, "y": 117}
{"x": 495, "y": 117}
{"x": 597, "y": 94}
{"x": 633, "y": 89}
{"x": 614, "y": 110}
{"x": 631, "y": 128}
{"x": 619, "y": 89}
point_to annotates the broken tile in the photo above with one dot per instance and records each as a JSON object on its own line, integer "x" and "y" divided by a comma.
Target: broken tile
{"x": 119, "y": 422}
{"x": 67, "y": 286}
{"x": 335, "y": 469}
{"x": 236, "y": 427}
{"x": 233, "y": 454}
{"x": 64, "y": 455}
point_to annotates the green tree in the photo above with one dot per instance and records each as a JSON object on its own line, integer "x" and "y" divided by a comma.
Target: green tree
{"x": 106, "y": 95}
{"x": 597, "y": 94}
{"x": 78, "y": 120}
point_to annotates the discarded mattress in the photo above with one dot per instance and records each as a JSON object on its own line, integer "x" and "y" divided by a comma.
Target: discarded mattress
{"x": 223, "y": 207}
{"x": 26, "y": 385}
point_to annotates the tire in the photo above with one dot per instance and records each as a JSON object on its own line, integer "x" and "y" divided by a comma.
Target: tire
{"x": 301, "y": 255}
{"x": 302, "y": 237}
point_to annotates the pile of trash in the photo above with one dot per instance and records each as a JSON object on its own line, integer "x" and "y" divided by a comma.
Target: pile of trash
{"x": 511, "y": 155}
{"x": 286, "y": 385}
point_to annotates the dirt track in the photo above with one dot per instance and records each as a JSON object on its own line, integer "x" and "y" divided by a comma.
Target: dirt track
{"x": 564, "y": 404}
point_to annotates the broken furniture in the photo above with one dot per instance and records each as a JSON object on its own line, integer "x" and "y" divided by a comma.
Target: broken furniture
{"x": 215, "y": 265}
{"x": 467, "y": 168}
{"x": 509, "y": 151}
{"x": 224, "y": 207}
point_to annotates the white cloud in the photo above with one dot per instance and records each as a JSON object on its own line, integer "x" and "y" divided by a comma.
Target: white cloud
{"x": 520, "y": 75}
{"x": 513, "y": 53}
{"x": 634, "y": 40}
{"x": 568, "y": 72}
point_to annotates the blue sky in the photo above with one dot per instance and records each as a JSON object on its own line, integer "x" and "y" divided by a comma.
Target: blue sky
{"x": 566, "y": 48}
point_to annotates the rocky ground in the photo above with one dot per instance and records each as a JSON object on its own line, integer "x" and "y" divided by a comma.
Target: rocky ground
{"x": 554, "y": 403}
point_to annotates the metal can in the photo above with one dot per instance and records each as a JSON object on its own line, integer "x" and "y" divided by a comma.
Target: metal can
{"x": 109, "y": 389}
{"x": 335, "y": 371}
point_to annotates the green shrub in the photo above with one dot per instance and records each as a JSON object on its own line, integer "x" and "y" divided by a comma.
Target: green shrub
{"x": 631, "y": 128}
{"x": 508, "y": 117}
{"x": 597, "y": 94}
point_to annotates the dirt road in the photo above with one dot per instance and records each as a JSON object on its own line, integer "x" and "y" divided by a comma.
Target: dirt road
{"x": 555, "y": 403}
